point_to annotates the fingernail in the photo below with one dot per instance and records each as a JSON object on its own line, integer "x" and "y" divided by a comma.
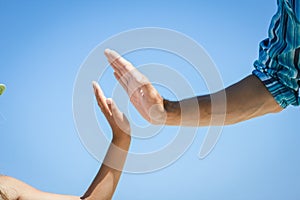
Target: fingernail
{"x": 94, "y": 84}
{"x": 108, "y": 101}
{"x": 107, "y": 51}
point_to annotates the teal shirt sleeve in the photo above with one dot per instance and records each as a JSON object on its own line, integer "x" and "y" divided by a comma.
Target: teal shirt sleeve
{"x": 278, "y": 65}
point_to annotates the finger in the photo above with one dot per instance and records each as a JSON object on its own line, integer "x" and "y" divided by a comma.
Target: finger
{"x": 125, "y": 83}
{"x": 111, "y": 59}
{"x": 119, "y": 117}
{"x": 128, "y": 86}
{"x": 116, "y": 69}
{"x": 99, "y": 95}
{"x": 117, "y": 76}
{"x": 122, "y": 81}
{"x": 101, "y": 99}
{"x": 114, "y": 108}
{"x": 119, "y": 62}
{"x": 118, "y": 58}
{"x": 107, "y": 53}
{"x": 124, "y": 65}
{"x": 114, "y": 65}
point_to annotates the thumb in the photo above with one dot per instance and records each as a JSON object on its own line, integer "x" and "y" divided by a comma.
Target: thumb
{"x": 113, "y": 107}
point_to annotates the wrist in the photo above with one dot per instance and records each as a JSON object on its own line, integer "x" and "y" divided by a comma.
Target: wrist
{"x": 173, "y": 111}
{"x": 123, "y": 144}
{"x": 119, "y": 138}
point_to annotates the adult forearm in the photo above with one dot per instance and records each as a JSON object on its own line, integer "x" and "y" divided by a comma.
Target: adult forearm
{"x": 194, "y": 111}
{"x": 11, "y": 188}
{"x": 244, "y": 100}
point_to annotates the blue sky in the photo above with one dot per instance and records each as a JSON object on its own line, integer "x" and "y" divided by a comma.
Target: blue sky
{"x": 43, "y": 44}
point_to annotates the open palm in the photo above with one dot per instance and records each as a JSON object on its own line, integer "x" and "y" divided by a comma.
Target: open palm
{"x": 116, "y": 119}
{"x": 141, "y": 92}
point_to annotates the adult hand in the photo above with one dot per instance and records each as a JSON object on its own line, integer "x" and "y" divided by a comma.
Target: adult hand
{"x": 141, "y": 92}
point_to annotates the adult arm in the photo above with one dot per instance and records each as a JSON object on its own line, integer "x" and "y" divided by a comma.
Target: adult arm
{"x": 245, "y": 99}
{"x": 14, "y": 189}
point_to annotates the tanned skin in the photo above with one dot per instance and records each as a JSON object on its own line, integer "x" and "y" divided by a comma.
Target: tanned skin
{"x": 105, "y": 182}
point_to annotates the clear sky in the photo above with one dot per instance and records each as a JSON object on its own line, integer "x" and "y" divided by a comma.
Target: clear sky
{"x": 43, "y": 44}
